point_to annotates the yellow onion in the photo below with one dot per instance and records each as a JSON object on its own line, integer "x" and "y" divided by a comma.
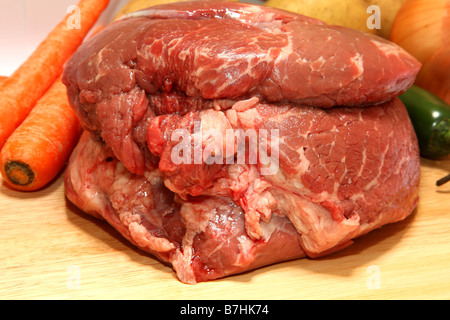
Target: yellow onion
{"x": 435, "y": 74}
{"x": 422, "y": 27}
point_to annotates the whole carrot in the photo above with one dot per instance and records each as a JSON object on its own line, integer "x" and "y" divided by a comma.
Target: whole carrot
{"x": 38, "y": 149}
{"x": 20, "y": 92}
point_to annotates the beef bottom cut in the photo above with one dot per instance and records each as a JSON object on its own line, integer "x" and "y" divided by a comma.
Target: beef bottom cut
{"x": 202, "y": 239}
{"x": 342, "y": 172}
{"x": 320, "y": 152}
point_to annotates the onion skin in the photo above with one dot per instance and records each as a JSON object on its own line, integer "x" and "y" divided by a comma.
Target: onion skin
{"x": 435, "y": 74}
{"x": 422, "y": 27}
{"x": 419, "y": 27}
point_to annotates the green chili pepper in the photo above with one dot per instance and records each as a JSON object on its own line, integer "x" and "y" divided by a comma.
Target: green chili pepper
{"x": 430, "y": 117}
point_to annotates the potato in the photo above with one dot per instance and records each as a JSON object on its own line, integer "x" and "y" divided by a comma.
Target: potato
{"x": 348, "y": 13}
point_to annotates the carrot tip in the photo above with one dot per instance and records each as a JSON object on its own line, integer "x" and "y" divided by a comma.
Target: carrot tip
{"x": 19, "y": 173}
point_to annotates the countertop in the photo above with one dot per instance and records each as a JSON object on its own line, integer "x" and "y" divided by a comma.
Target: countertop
{"x": 51, "y": 250}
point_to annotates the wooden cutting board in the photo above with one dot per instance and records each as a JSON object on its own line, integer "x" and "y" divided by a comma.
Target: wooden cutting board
{"x": 51, "y": 250}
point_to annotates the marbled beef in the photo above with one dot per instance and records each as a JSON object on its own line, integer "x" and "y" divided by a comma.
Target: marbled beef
{"x": 346, "y": 154}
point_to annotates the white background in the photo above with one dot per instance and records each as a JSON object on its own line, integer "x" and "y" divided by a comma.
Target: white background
{"x": 25, "y": 23}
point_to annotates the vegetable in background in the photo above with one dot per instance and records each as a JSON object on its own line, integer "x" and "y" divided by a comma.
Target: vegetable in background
{"x": 435, "y": 73}
{"x": 20, "y": 92}
{"x": 422, "y": 27}
{"x": 349, "y": 13}
{"x": 38, "y": 149}
{"x": 430, "y": 117}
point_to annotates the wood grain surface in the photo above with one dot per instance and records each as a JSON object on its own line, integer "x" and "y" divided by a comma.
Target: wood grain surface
{"x": 51, "y": 250}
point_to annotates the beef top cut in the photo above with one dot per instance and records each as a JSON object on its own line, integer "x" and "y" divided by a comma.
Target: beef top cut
{"x": 169, "y": 98}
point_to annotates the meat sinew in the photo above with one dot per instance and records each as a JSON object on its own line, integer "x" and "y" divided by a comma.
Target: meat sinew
{"x": 221, "y": 136}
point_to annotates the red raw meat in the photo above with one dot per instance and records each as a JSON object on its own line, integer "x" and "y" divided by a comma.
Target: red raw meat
{"x": 341, "y": 154}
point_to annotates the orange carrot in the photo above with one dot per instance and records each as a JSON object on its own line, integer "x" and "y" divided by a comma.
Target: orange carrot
{"x": 38, "y": 149}
{"x": 2, "y": 79}
{"x": 20, "y": 92}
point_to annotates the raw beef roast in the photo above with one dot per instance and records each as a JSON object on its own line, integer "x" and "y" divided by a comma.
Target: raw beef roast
{"x": 222, "y": 136}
